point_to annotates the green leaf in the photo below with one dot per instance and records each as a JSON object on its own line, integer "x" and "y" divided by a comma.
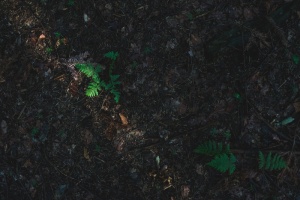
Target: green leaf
{"x": 261, "y": 160}
{"x": 116, "y": 95}
{"x": 114, "y": 77}
{"x": 237, "y": 96}
{"x": 92, "y": 89}
{"x": 87, "y": 69}
{"x": 57, "y": 34}
{"x": 268, "y": 161}
{"x": 274, "y": 162}
{"x": 287, "y": 121}
{"x": 296, "y": 59}
{"x": 98, "y": 69}
{"x": 112, "y": 55}
{"x": 223, "y": 163}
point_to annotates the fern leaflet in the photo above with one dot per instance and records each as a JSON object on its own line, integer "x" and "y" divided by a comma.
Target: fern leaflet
{"x": 112, "y": 55}
{"x": 212, "y": 148}
{"x": 88, "y": 69}
{"x": 223, "y": 163}
{"x": 271, "y": 162}
{"x": 261, "y": 160}
{"x": 93, "y": 89}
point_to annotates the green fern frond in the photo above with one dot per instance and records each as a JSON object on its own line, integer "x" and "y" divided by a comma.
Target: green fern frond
{"x": 223, "y": 163}
{"x": 212, "y": 148}
{"x": 275, "y": 162}
{"x": 95, "y": 86}
{"x": 88, "y": 69}
{"x": 112, "y": 55}
{"x": 93, "y": 89}
{"x": 116, "y": 95}
{"x": 261, "y": 160}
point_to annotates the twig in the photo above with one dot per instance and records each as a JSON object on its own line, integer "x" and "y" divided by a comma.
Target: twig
{"x": 22, "y": 111}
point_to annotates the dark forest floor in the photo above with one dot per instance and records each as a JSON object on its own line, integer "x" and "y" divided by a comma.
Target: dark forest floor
{"x": 190, "y": 71}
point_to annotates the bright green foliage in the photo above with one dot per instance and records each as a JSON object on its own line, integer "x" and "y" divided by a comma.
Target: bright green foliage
{"x": 97, "y": 84}
{"x": 271, "y": 162}
{"x": 93, "y": 89}
{"x": 223, "y": 162}
{"x": 92, "y": 72}
{"x": 89, "y": 70}
{"x": 212, "y": 148}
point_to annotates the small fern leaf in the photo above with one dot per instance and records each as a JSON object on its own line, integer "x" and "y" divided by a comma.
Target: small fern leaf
{"x": 279, "y": 163}
{"x": 87, "y": 69}
{"x": 116, "y": 95}
{"x": 275, "y": 162}
{"x": 92, "y": 89}
{"x": 98, "y": 69}
{"x": 261, "y": 160}
{"x": 112, "y": 55}
{"x": 223, "y": 163}
{"x": 113, "y": 78}
{"x": 232, "y": 165}
{"x": 268, "y": 161}
{"x": 96, "y": 78}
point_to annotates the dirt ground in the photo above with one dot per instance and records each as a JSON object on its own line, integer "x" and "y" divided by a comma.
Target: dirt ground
{"x": 190, "y": 71}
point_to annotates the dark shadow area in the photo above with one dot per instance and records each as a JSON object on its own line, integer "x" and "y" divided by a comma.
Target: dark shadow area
{"x": 192, "y": 75}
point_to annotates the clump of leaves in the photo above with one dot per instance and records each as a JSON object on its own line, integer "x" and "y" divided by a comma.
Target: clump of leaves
{"x": 223, "y": 159}
{"x": 271, "y": 162}
{"x": 97, "y": 84}
{"x": 92, "y": 72}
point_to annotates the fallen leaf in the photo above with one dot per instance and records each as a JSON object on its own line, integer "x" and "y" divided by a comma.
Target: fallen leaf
{"x": 42, "y": 36}
{"x": 185, "y": 190}
{"x": 86, "y": 154}
{"x": 123, "y": 119}
{"x": 120, "y": 144}
{"x": 4, "y": 126}
{"x": 287, "y": 121}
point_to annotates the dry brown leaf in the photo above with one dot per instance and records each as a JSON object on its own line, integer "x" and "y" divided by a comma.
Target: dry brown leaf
{"x": 86, "y": 154}
{"x": 185, "y": 190}
{"x": 42, "y": 36}
{"x": 123, "y": 119}
{"x": 296, "y": 106}
{"x": 120, "y": 144}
